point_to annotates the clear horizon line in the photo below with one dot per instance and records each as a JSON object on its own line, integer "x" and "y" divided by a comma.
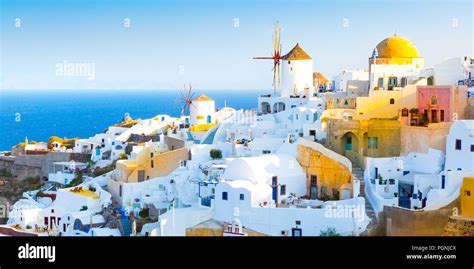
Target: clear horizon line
{"x": 140, "y": 89}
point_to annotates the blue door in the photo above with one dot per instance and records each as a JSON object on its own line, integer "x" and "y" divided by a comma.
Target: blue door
{"x": 275, "y": 189}
{"x": 443, "y": 181}
{"x": 209, "y": 119}
{"x": 348, "y": 143}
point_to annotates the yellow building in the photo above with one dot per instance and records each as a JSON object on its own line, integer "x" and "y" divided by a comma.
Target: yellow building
{"x": 328, "y": 174}
{"x": 385, "y": 104}
{"x": 152, "y": 161}
{"x": 357, "y": 139}
{"x": 215, "y": 228}
{"x": 467, "y": 197}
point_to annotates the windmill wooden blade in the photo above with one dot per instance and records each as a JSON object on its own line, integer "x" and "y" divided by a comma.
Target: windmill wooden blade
{"x": 276, "y": 56}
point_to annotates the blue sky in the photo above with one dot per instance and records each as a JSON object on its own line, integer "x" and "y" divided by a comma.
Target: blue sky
{"x": 200, "y": 37}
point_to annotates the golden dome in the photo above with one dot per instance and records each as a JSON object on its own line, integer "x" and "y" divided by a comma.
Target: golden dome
{"x": 397, "y": 47}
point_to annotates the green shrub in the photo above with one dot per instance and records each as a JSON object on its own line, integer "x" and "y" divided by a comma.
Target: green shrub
{"x": 216, "y": 154}
{"x": 329, "y": 232}
{"x": 128, "y": 149}
{"x": 98, "y": 171}
{"x": 144, "y": 213}
{"x": 77, "y": 179}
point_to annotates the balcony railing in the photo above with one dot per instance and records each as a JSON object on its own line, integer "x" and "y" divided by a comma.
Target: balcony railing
{"x": 468, "y": 82}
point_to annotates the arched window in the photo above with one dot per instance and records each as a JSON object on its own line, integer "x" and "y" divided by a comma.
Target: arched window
{"x": 433, "y": 100}
{"x": 120, "y": 190}
{"x": 430, "y": 81}
{"x": 392, "y": 101}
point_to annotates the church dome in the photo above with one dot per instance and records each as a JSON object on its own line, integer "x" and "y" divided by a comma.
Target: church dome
{"x": 397, "y": 47}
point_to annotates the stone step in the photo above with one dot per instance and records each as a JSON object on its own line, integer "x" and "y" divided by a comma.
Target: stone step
{"x": 359, "y": 173}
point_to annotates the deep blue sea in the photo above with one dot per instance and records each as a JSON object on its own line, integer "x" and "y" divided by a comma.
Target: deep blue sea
{"x": 39, "y": 114}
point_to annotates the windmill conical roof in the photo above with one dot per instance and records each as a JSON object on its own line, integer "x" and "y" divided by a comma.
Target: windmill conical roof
{"x": 203, "y": 97}
{"x": 297, "y": 53}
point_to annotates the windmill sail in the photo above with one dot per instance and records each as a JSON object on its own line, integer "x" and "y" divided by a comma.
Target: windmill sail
{"x": 276, "y": 56}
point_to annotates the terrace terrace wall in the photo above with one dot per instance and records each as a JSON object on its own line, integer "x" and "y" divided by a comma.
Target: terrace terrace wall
{"x": 405, "y": 222}
{"x": 420, "y": 139}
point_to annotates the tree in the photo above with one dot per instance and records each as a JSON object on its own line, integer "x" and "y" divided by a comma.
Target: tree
{"x": 215, "y": 154}
{"x": 77, "y": 179}
{"x": 128, "y": 149}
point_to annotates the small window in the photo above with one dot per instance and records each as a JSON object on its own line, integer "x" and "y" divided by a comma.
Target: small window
{"x": 242, "y": 196}
{"x": 430, "y": 81}
{"x": 152, "y": 164}
{"x": 151, "y": 155}
{"x": 52, "y": 210}
{"x": 274, "y": 181}
{"x": 434, "y": 100}
{"x": 405, "y": 112}
{"x": 283, "y": 190}
{"x": 307, "y": 117}
{"x": 224, "y": 196}
{"x": 472, "y": 148}
{"x": 296, "y": 116}
{"x": 298, "y": 222}
{"x": 380, "y": 83}
{"x": 392, "y": 82}
{"x": 392, "y": 101}
{"x": 373, "y": 143}
{"x": 467, "y": 193}
{"x": 458, "y": 144}
{"x": 404, "y": 82}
